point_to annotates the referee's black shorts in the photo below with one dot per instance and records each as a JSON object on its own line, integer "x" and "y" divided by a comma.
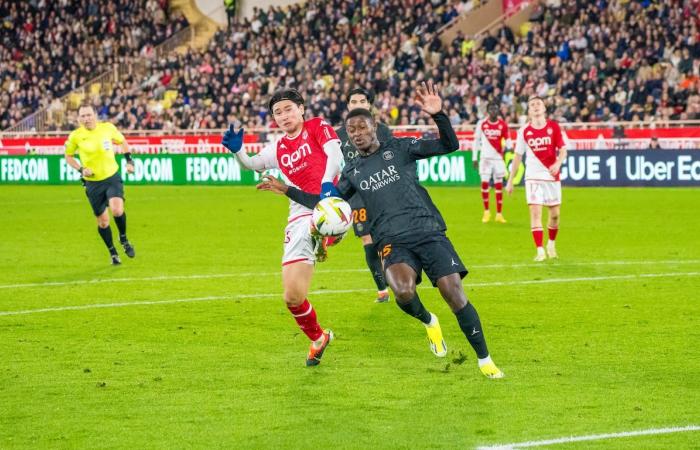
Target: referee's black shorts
{"x": 99, "y": 192}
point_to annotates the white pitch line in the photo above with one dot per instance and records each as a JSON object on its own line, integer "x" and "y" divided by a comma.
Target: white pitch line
{"x": 277, "y": 273}
{"x": 336, "y": 291}
{"x": 592, "y": 437}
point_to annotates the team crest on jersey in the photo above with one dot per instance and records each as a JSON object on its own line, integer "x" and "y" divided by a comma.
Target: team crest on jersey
{"x": 549, "y": 131}
{"x": 388, "y": 155}
{"x": 529, "y": 133}
{"x": 304, "y": 135}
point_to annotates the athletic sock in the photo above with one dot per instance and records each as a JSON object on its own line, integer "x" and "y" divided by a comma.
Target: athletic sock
{"x": 305, "y": 315}
{"x": 375, "y": 266}
{"x": 499, "y": 196}
{"x": 537, "y": 236}
{"x": 470, "y": 324}
{"x": 121, "y": 226}
{"x": 106, "y": 235}
{"x": 415, "y": 308}
{"x": 552, "y": 233}
{"x": 485, "y": 194}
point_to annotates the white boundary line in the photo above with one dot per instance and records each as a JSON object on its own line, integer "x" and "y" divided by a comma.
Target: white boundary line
{"x": 336, "y": 291}
{"x": 592, "y": 437}
{"x": 278, "y": 273}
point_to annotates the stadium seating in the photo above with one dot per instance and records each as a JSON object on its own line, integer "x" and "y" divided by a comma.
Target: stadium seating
{"x": 593, "y": 68}
{"x": 48, "y": 48}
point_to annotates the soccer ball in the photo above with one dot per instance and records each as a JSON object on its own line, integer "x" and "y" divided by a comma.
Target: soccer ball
{"x": 332, "y": 216}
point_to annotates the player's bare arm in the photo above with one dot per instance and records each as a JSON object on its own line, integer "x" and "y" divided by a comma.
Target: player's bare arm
{"x": 515, "y": 165}
{"x": 556, "y": 167}
{"x": 272, "y": 184}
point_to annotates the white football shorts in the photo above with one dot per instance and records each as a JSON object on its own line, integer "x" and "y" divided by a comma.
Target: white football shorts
{"x": 546, "y": 193}
{"x": 298, "y": 244}
{"x": 491, "y": 168}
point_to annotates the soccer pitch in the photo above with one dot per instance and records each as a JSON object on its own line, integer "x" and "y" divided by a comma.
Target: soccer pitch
{"x": 189, "y": 345}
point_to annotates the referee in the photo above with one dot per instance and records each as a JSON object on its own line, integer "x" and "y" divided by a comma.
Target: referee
{"x": 94, "y": 143}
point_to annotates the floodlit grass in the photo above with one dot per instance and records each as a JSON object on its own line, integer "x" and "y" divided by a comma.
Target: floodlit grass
{"x": 605, "y": 339}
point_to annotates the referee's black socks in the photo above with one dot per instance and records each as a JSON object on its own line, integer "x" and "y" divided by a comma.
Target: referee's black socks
{"x": 121, "y": 226}
{"x": 375, "y": 266}
{"x": 415, "y": 308}
{"x": 106, "y": 235}
{"x": 470, "y": 324}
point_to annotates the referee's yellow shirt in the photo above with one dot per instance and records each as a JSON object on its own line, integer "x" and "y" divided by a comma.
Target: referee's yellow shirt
{"x": 95, "y": 149}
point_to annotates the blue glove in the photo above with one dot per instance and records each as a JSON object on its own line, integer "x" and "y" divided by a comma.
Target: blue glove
{"x": 233, "y": 141}
{"x": 328, "y": 189}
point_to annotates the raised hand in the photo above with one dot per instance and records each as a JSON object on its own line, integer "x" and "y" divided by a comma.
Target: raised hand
{"x": 427, "y": 97}
{"x": 232, "y": 140}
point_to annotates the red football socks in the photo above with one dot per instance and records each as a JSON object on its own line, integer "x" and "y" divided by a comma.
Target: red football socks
{"x": 499, "y": 196}
{"x": 485, "y": 194}
{"x": 537, "y": 236}
{"x": 305, "y": 316}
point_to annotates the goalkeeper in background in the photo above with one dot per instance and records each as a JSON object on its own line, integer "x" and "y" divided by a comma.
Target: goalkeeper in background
{"x": 94, "y": 142}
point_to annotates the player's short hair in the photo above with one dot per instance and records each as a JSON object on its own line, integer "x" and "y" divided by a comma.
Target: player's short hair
{"x": 535, "y": 97}
{"x": 369, "y": 95}
{"x": 493, "y": 103}
{"x": 359, "y": 112}
{"x": 285, "y": 94}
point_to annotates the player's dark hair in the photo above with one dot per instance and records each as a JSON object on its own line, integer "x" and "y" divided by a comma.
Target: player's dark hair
{"x": 535, "y": 97}
{"x": 493, "y": 103}
{"x": 357, "y": 112}
{"x": 285, "y": 94}
{"x": 369, "y": 95}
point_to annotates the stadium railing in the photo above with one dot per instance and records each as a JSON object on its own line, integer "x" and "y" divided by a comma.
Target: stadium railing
{"x": 580, "y": 136}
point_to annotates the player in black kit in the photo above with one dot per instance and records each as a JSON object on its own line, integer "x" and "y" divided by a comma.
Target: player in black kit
{"x": 361, "y": 98}
{"x": 405, "y": 224}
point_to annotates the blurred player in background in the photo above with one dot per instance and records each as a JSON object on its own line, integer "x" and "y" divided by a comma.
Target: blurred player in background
{"x": 361, "y": 98}
{"x": 490, "y": 139}
{"x": 94, "y": 142}
{"x": 543, "y": 142}
{"x": 309, "y": 156}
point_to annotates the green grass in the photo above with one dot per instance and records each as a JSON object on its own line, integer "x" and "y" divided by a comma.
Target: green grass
{"x": 581, "y": 356}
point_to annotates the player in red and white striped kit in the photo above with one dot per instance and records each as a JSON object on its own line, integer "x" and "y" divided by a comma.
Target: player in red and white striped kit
{"x": 543, "y": 142}
{"x": 490, "y": 139}
{"x": 309, "y": 157}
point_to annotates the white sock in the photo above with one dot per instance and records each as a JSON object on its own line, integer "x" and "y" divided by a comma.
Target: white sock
{"x": 484, "y": 361}
{"x": 540, "y": 250}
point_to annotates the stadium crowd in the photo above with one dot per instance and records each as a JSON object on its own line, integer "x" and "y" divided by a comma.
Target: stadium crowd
{"x": 48, "y": 48}
{"x": 595, "y": 61}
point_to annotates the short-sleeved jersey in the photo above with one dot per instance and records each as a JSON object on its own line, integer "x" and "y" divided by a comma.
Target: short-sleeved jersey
{"x": 349, "y": 150}
{"x": 95, "y": 149}
{"x": 542, "y": 148}
{"x": 490, "y": 138}
{"x": 301, "y": 159}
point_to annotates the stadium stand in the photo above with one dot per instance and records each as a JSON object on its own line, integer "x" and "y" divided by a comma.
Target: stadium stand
{"x": 587, "y": 57}
{"x": 48, "y": 48}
